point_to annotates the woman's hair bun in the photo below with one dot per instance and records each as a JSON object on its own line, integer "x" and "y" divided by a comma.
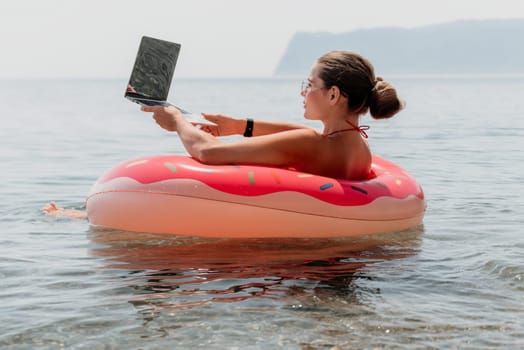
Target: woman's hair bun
{"x": 383, "y": 101}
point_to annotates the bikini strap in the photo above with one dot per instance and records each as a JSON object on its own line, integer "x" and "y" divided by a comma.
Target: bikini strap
{"x": 361, "y": 129}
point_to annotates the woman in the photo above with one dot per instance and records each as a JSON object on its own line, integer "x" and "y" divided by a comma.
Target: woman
{"x": 340, "y": 88}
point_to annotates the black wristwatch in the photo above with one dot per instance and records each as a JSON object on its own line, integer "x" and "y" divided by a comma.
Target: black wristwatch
{"x": 249, "y": 128}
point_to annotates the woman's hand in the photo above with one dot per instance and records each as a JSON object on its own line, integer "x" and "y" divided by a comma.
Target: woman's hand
{"x": 166, "y": 117}
{"x": 223, "y": 125}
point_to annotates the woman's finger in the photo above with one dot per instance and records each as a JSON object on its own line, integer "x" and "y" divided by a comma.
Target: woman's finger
{"x": 148, "y": 108}
{"x": 210, "y": 117}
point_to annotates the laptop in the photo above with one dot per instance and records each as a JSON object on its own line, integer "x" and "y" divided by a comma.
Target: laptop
{"x": 153, "y": 72}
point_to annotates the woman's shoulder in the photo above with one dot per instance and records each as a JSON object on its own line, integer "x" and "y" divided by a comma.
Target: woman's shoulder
{"x": 304, "y": 133}
{"x": 301, "y": 140}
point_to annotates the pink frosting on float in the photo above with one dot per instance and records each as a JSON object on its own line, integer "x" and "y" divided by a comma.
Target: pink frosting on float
{"x": 252, "y": 180}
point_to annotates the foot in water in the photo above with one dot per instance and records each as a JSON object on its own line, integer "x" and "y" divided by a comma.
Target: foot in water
{"x": 51, "y": 209}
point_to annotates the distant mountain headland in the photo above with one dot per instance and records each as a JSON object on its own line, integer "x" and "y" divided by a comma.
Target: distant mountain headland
{"x": 462, "y": 47}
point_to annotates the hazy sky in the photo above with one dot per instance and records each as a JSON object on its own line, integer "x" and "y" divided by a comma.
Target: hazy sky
{"x": 220, "y": 38}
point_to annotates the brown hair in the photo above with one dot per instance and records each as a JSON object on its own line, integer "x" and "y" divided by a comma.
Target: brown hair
{"x": 355, "y": 77}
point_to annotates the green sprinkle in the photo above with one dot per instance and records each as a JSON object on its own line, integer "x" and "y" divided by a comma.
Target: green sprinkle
{"x": 251, "y": 176}
{"x": 170, "y": 166}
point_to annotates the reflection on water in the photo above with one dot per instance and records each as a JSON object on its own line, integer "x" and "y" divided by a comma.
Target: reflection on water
{"x": 177, "y": 272}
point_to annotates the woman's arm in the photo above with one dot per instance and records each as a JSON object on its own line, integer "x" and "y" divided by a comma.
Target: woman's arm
{"x": 278, "y": 149}
{"x": 224, "y": 125}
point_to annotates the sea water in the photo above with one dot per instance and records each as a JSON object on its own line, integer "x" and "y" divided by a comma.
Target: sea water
{"x": 457, "y": 281}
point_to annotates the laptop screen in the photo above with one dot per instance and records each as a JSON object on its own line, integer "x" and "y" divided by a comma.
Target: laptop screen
{"x": 153, "y": 70}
